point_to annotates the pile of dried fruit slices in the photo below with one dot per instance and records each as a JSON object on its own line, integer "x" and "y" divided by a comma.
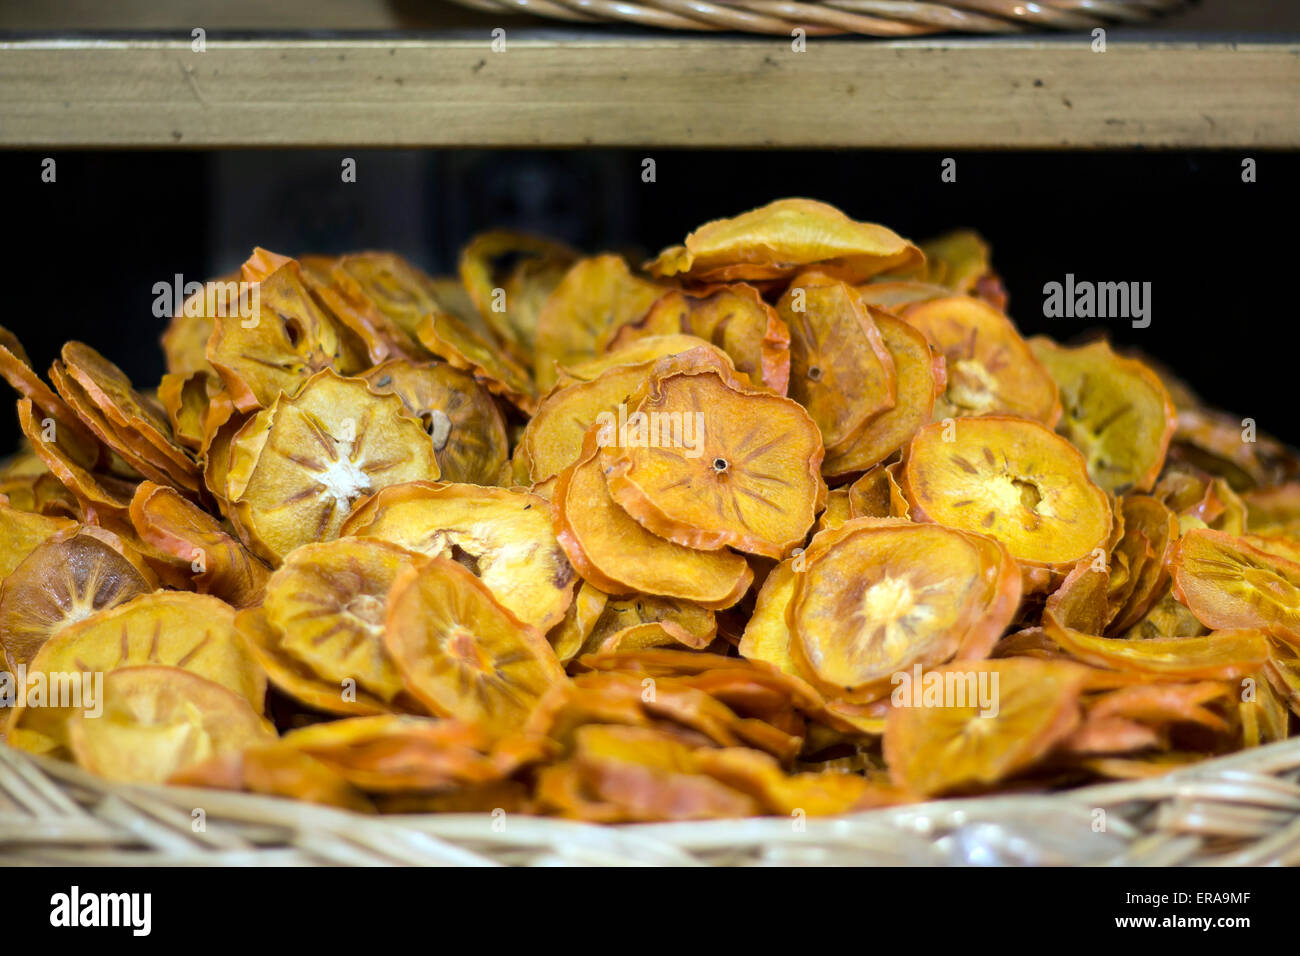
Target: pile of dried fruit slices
{"x": 789, "y": 519}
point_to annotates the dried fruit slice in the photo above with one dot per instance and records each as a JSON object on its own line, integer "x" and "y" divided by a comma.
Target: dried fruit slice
{"x": 1168, "y": 617}
{"x": 570, "y": 635}
{"x": 815, "y": 794}
{"x": 838, "y": 510}
{"x": 463, "y": 421}
{"x": 783, "y": 238}
{"x": 767, "y": 636}
{"x": 99, "y": 494}
{"x": 156, "y": 721}
{"x": 877, "y": 599}
{"x": 643, "y": 350}
{"x": 1274, "y": 510}
{"x": 283, "y": 340}
{"x": 503, "y": 536}
{"x": 991, "y": 369}
{"x": 1227, "y": 583}
{"x": 894, "y": 295}
{"x": 185, "y": 396}
{"x": 734, "y": 318}
{"x": 936, "y": 750}
{"x": 751, "y": 480}
{"x": 276, "y": 770}
{"x": 540, "y": 264}
{"x": 330, "y": 445}
{"x": 1150, "y": 530}
{"x": 22, "y": 532}
{"x": 453, "y": 340}
{"x": 643, "y": 621}
{"x": 617, "y": 555}
{"x": 71, "y": 576}
{"x": 921, "y": 378}
{"x": 382, "y": 298}
{"x": 1013, "y": 479}
{"x": 958, "y": 260}
{"x": 1219, "y": 443}
{"x": 595, "y": 298}
{"x": 840, "y": 369}
{"x": 1080, "y": 601}
{"x": 18, "y": 372}
{"x": 460, "y": 652}
{"x": 869, "y": 496}
{"x": 1116, "y": 412}
{"x": 328, "y": 602}
{"x": 185, "y": 340}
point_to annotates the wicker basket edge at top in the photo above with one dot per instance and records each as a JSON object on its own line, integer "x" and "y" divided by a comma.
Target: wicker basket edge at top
{"x": 1241, "y": 809}
{"x": 868, "y": 18}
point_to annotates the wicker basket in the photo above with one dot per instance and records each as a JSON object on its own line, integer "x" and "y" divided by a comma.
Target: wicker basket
{"x": 877, "y": 18}
{"x": 1238, "y": 810}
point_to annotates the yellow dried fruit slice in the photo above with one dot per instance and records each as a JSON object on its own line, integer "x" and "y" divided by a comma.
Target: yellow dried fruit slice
{"x": 767, "y": 636}
{"x": 1227, "y": 583}
{"x": 783, "y": 238}
{"x": 878, "y": 599}
{"x": 185, "y": 340}
{"x": 645, "y": 621}
{"x": 540, "y": 264}
{"x": 596, "y": 297}
{"x": 462, "y": 347}
{"x": 463, "y": 421}
{"x": 733, "y": 317}
{"x": 894, "y": 295}
{"x": 185, "y": 396}
{"x": 69, "y": 577}
{"x": 815, "y": 794}
{"x": 1225, "y": 445}
{"x": 948, "y": 749}
{"x": 642, "y": 350}
{"x": 276, "y": 770}
{"x": 1168, "y": 617}
{"x": 156, "y": 721}
{"x": 1080, "y": 601}
{"x": 333, "y": 443}
{"x": 1150, "y": 530}
{"x": 617, "y": 555}
{"x": 40, "y": 494}
{"x": 869, "y": 496}
{"x": 1116, "y": 411}
{"x": 382, "y": 298}
{"x": 1273, "y": 510}
{"x": 1013, "y": 479}
{"x": 460, "y": 652}
{"x": 99, "y": 494}
{"x": 570, "y": 635}
{"x": 840, "y": 369}
{"x": 293, "y": 678}
{"x": 838, "y": 510}
{"x": 750, "y": 480}
{"x": 957, "y": 260}
{"x": 285, "y": 338}
{"x": 921, "y": 378}
{"x": 22, "y": 532}
{"x": 503, "y": 536}
{"x": 991, "y": 369}
{"x": 328, "y": 602}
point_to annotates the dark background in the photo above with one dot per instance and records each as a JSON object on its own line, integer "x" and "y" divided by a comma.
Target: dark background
{"x": 82, "y": 254}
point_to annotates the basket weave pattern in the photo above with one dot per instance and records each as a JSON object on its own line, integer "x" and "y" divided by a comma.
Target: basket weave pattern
{"x": 876, "y": 18}
{"x": 1238, "y": 810}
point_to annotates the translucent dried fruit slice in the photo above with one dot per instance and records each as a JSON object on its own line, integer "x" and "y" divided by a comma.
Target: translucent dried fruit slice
{"x": 935, "y": 750}
{"x": 99, "y": 494}
{"x": 158, "y": 720}
{"x": 293, "y": 678}
{"x": 284, "y": 339}
{"x": 1116, "y": 411}
{"x": 460, "y": 652}
{"x": 840, "y": 369}
{"x": 22, "y": 532}
{"x": 503, "y": 536}
{"x": 333, "y": 443}
{"x": 921, "y": 378}
{"x": 275, "y": 770}
{"x": 1221, "y": 655}
{"x": 991, "y": 369}
{"x": 750, "y": 480}
{"x": 1227, "y": 583}
{"x": 878, "y": 599}
{"x": 595, "y": 297}
{"x": 781, "y": 239}
{"x": 1080, "y": 601}
{"x": 734, "y": 318}
{"x": 71, "y": 576}
{"x": 463, "y": 421}
{"x": 869, "y": 496}
{"x": 570, "y": 635}
{"x": 539, "y": 265}
{"x": 175, "y": 629}
{"x": 1010, "y": 478}
{"x": 453, "y": 340}
{"x": 838, "y": 510}
{"x": 616, "y": 554}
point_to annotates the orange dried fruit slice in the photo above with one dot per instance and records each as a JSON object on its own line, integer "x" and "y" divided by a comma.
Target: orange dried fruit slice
{"x": 539, "y": 266}
{"x": 1227, "y": 583}
{"x": 333, "y": 443}
{"x": 18, "y": 372}
{"x": 1113, "y": 735}
{"x": 939, "y": 750}
{"x": 643, "y": 350}
{"x": 1165, "y": 703}
{"x": 328, "y": 601}
{"x": 1217, "y": 442}
{"x": 733, "y": 317}
{"x": 958, "y": 260}
{"x": 156, "y": 721}
{"x": 991, "y": 369}
{"x": 783, "y": 238}
{"x": 1153, "y": 528}
{"x": 463, "y": 421}
{"x": 1116, "y": 411}
{"x": 645, "y": 621}
{"x": 876, "y": 600}
{"x": 838, "y": 510}
{"x": 285, "y": 338}
{"x": 185, "y": 396}
{"x": 460, "y": 652}
{"x": 503, "y": 536}
{"x": 462, "y": 347}
{"x": 71, "y": 576}
{"x": 570, "y": 635}
{"x": 894, "y": 295}
{"x": 21, "y": 532}
{"x": 619, "y": 556}
{"x": 921, "y": 378}
{"x": 1013, "y": 479}
{"x": 382, "y": 298}
{"x": 275, "y": 770}
{"x": 1080, "y": 600}
{"x": 751, "y": 480}
{"x": 99, "y": 494}
{"x": 185, "y": 340}
{"x": 1273, "y": 510}
{"x": 869, "y": 496}
{"x": 293, "y": 678}
{"x": 815, "y": 794}
{"x": 840, "y": 369}
{"x": 1168, "y": 617}
{"x": 767, "y": 636}
{"x": 596, "y": 297}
